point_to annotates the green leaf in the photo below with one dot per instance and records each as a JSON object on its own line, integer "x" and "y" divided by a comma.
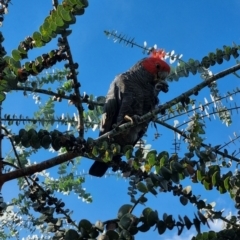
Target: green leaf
{"x": 222, "y": 189}
{"x": 112, "y": 235}
{"x": 227, "y": 183}
{"x": 188, "y": 223}
{"x": 104, "y": 145}
{"x": 212, "y": 235}
{"x": 128, "y": 154}
{"x": 175, "y": 165}
{"x": 44, "y": 30}
{"x": 183, "y": 200}
{"x": 175, "y": 177}
{"x": 201, "y": 204}
{"x": 144, "y": 227}
{"x": 142, "y": 187}
{"x": 37, "y": 36}
{"x": 16, "y": 55}
{"x": 14, "y": 63}
{"x": 27, "y": 66}
{"x": 3, "y": 85}
{"x": 71, "y": 235}
{"x": 65, "y": 15}
{"x": 126, "y": 220}
{"x": 163, "y": 157}
{"x": 56, "y": 144}
{"x": 199, "y": 175}
{"x": 53, "y": 26}
{"x": 46, "y": 141}
{"x": 2, "y": 96}
{"x": 95, "y": 151}
{"x": 59, "y": 22}
{"x": 146, "y": 212}
{"x": 35, "y": 142}
{"x": 151, "y": 157}
{"x": 124, "y": 209}
{"x": 207, "y": 185}
{"x": 81, "y": 3}
{"x": 161, "y": 226}
{"x": 107, "y": 156}
{"x": 133, "y": 230}
{"x": 165, "y": 172}
{"x": 142, "y": 199}
{"x": 39, "y": 43}
{"x": 152, "y": 218}
{"x": 215, "y": 178}
{"x": 197, "y": 224}
{"x": 124, "y": 234}
{"x": 85, "y": 224}
{"x": 149, "y": 183}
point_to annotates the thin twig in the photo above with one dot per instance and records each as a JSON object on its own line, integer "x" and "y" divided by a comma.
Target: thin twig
{"x": 202, "y": 144}
{"x": 51, "y": 93}
{"x": 14, "y": 150}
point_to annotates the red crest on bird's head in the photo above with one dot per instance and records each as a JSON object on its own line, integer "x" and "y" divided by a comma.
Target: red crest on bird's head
{"x": 155, "y": 63}
{"x": 159, "y": 54}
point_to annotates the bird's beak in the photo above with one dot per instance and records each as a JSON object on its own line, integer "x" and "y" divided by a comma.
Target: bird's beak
{"x": 162, "y": 75}
{"x": 161, "y": 86}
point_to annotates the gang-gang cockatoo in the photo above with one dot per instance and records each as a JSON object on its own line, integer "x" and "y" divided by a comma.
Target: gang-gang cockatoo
{"x": 132, "y": 94}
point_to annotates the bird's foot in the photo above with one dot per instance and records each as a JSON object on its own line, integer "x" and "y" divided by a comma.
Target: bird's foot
{"x": 134, "y": 119}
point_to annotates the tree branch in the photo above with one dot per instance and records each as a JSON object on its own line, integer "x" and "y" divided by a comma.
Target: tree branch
{"x": 51, "y": 93}
{"x": 202, "y": 144}
{"x": 38, "y": 167}
{"x": 76, "y": 84}
{"x": 150, "y": 115}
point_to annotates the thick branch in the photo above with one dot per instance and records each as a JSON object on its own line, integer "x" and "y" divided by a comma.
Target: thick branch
{"x": 37, "y": 167}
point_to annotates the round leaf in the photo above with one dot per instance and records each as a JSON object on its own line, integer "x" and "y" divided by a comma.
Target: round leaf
{"x": 144, "y": 228}
{"x": 85, "y": 224}
{"x": 37, "y": 36}
{"x": 16, "y": 55}
{"x": 112, "y": 235}
{"x": 142, "y": 187}
{"x": 161, "y": 226}
{"x": 2, "y": 96}
{"x": 71, "y": 235}
{"x": 126, "y": 221}
{"x": 183, "y": 200}
{"x": 124, "y": 209}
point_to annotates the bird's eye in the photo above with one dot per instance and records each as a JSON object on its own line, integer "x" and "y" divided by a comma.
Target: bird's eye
{"x": 158, "y": 66}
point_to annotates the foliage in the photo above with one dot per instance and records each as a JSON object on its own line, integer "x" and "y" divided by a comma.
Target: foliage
{"x": 148, "y": 171}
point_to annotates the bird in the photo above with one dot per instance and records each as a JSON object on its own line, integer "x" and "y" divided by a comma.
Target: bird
{"x": 131, "y": 95}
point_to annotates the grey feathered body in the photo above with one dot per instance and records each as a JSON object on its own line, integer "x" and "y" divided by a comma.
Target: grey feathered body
{"x": 131, "y": 93}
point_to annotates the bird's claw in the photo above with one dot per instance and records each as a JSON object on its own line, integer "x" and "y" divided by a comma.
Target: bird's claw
{"x": 134, "y": 119}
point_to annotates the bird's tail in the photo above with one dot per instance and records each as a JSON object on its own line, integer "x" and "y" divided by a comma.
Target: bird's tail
{"x": 98, "y": 169}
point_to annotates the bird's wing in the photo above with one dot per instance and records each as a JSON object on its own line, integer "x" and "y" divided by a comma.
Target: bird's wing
{"x": 109, "y": 117}
{"x": 110, "y": 110}
{"x": 125, "y": 99}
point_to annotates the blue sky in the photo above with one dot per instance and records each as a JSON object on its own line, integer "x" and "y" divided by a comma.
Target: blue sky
{"x": 191, "y": 28}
